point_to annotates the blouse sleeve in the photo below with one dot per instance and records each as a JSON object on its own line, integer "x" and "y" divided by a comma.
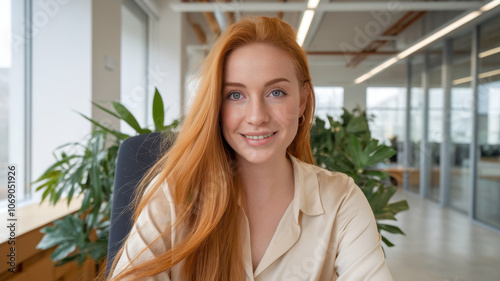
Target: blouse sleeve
{"x": 145, "y": 240}
{"x": 359, "y": 253}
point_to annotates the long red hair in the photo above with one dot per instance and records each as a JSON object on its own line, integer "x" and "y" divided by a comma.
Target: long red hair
{"x": 200, "y": 166}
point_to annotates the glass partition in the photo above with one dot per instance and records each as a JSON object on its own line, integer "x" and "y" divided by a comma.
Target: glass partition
{"x": 435, "y": 115}
{"x": 487, "y": 205}
{"x": 461, "y": 123}
{"x": 416, "y": 122}
{"x": 387, "y": 107}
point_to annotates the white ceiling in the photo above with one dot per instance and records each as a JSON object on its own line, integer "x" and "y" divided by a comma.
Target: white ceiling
{"x": 338, "y": 32}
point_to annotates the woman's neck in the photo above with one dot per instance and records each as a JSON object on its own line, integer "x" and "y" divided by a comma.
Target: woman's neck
{"x": 267, "y": 181}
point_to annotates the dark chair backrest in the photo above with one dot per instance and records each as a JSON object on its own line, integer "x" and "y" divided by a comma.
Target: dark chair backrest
{"x": 135, "y": 156}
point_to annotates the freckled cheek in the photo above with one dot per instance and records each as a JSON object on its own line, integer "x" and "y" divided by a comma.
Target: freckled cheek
{"x": 229, "y": 119}
{"x": 287, "y": 114}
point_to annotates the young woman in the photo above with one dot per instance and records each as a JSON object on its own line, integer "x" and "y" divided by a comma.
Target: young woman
{"x": 237, "y": 196}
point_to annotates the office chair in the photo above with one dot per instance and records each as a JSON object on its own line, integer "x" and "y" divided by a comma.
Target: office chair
{"x": 135, "y": 156}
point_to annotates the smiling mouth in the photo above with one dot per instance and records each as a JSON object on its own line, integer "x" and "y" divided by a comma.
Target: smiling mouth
{"x": 259, "y": 137}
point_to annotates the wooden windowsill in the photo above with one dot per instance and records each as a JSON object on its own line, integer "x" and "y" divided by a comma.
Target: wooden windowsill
{"x": 36, "y": 215}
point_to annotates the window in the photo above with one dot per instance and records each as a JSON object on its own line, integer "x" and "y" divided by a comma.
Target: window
{"x": 329, "y": 101}
{"x": 61, "y": 71}
{"x": 12, "y": 98}
{"x": 387, "y": 106}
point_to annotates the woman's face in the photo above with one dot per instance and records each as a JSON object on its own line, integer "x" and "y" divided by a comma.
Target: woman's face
{"x": 262, "y": 102}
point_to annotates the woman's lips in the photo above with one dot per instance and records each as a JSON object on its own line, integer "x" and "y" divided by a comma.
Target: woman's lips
{"x": 258, "y": 139}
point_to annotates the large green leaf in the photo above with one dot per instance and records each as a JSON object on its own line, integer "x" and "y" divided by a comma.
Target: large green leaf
{"x": 158, "y": 112}
{"x": 106, "y": 110}
{"x": 99, "y": 249}
{"x": 117, "y": 134}
{"x": 62, "y": 251}
{"x": 51, "y": 170}
{"x": 382, "y": 153}
{"x": 399, "y": 206}
{"x": 385, "y": 216}
{"x": 126, "y": 116}
{"x": 384, "y": 194}
{"x": 355, "y": 151}
{"x": 387, "y": 242}
{"x": 391, "y": 228}
{"x": 356, "y": 125}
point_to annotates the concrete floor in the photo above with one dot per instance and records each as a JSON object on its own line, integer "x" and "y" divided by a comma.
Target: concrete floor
{"x": 441, "y": 245}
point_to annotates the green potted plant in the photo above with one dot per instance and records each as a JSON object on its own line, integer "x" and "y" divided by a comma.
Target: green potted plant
{"x": 89, "y": 172}
{"x": 347, "y": 147}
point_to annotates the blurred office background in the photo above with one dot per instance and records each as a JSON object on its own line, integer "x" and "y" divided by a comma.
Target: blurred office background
{"x": 428, "y": 71}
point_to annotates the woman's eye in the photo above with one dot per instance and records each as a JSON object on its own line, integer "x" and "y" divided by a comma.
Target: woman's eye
{"x": 277, "y": 93}
{"x": 235, "y": 96}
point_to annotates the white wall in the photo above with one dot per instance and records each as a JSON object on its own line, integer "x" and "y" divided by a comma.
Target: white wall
{"x": 167, "y": 59}
{"x": 61, "y": 76}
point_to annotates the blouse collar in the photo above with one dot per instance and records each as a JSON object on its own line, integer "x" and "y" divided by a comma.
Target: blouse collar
{"x": 307, "y": 195}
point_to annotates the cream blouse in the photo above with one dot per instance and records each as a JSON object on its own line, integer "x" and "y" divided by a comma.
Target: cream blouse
{"x": 328, "y": 232}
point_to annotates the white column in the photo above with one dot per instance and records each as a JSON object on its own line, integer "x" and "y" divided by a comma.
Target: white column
{"x": 106, "y": 39}
{"x": 167, "y": 59}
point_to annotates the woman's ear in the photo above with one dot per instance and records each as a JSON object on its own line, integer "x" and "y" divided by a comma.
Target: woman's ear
{"x": 305, "y": 91}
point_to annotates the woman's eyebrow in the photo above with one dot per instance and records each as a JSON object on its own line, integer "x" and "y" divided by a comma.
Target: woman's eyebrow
{"x": 270, "y": 82}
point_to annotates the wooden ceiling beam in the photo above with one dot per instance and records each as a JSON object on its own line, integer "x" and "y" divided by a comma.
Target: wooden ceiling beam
{"x": 231, "y": 19}
{"x": 209, "y": 17}
{"x": 404, "y": 22}
{"x": 197, "y": 30}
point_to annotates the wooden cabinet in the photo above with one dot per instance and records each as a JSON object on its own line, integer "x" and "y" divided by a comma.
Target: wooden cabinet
{"x": 35, "y": 264}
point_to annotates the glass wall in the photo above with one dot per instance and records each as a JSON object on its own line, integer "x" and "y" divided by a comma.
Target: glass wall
{"x": 461, "y": 123}
{"x": 427, "y": 123}
{"x": 386, "y": 105}
{"x": 435, "y": 115}
{"x": 487, "y": 205}
{"x": 416, "y": 121}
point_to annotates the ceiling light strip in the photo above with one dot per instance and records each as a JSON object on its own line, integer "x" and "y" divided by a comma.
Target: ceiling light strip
{"x": 312, "y": 4}
{"x": 304, "y": 26}
{"x": 428, "y": 40}
{"x": 305, "y": 23}
{"x": 489, "y": 52}
{"x": 481, "y": 76}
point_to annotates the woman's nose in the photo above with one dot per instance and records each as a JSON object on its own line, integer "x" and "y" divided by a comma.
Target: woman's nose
{"x": 257, "y": 112}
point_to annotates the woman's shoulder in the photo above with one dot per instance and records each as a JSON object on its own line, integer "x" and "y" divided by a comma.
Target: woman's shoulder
{"x": 336, "y": 189}
{"x": 337, "y": 181}
{"x": 332, "y": 177}
{"x": 158, "y": 210}
{"x": 160, "y": 189}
